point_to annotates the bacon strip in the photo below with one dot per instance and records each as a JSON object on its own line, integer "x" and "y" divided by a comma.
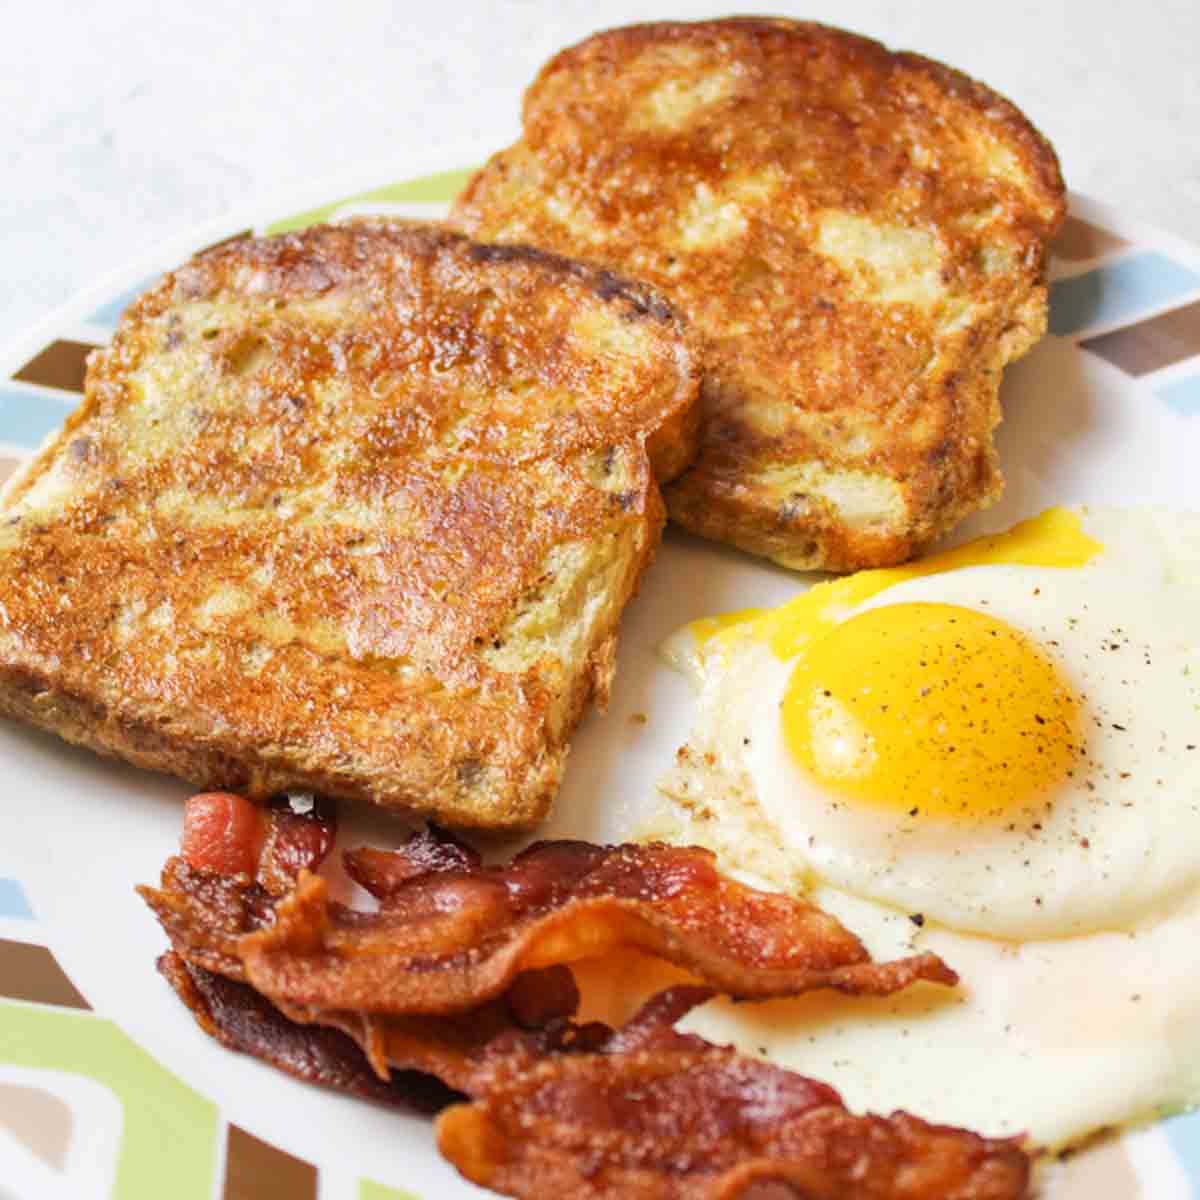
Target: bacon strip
{"x": 451, "y": 934}
{"x": 645, "y": 1112}
{"x": 345, "y": 1050}
{"x": 237, "y": 862}
{"x": 533, "y": 1013}
{"x": 240, "y": 1019}
{"x": 224, "y": 834}
{"x": 654, "y": 1114}
{"x": 476, "y": 999}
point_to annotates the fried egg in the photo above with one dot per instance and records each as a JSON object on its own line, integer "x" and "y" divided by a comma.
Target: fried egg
{"x": 991, "y": 754}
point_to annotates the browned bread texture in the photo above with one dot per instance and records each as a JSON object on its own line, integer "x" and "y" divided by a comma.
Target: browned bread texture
{"x": 858, "y": 234}
{"x": 354, "y": 510}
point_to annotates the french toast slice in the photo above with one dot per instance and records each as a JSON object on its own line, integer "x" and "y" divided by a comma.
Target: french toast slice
{"x": 857, "y": 234}
{"x": 354, "y": 510}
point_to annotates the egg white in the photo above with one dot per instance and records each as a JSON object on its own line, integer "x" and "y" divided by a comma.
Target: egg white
{"x": 1054, "y": 1039}
{"x": 1078, "y": 944}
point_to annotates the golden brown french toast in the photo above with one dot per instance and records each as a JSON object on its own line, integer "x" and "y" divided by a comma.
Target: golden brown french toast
{"x": 858, "y": 235}
{"x": 354, "y": 510}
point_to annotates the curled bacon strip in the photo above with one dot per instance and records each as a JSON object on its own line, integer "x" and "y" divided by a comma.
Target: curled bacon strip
{"x": 653, "y": 1114}
{"x": 240, "y": 1019}
{"x": 644, "y": 1112}
{"x": 224, "y": 834}
{"x": 451, "y": 933}
{"x": 533, "y": 1015}
{"x": 428, "y": 1061}
{"x": 236, "y": 862}
{"x": 482, "y": 1004}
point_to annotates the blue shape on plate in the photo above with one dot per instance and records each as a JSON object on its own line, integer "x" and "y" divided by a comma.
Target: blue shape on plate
{"x": 28, "y": 416}
{"x": 109, "y": 313}
{"x": 1111, "y": 294}
{"x": 12, "y": 900}
{"x": 1184, "y": 1135}
{"x": 1183, "y": 395}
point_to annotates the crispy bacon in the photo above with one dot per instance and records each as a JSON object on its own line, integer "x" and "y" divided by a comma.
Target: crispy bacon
{"x": 532, "y": 1015}
{"x": 295, "y": 842}
{"x": 222, "y": 833}
{"x": 458, "y": 982}
{"x": 653, "y": 1114}
{"x": 240, "y": 1019}
{"x": 644, "y": 1112}
{"x": 225, "y": 834}
{"x": 204, "y": 909}
{"x": 451, "y": 934}
{"x": 384, "y": 872}
{"x": 205, "y": 915}
{"x": 397, "y": 1060}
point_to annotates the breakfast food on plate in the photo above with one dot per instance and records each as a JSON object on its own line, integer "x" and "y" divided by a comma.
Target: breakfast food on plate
{"x": 356, "y": 511}
{"x": 858, "y": 234}
{"x": 240, "y": 1019}
{"x": 993, "y": 754}
{"x": 353, "y": 510}
{"x": 450, "y": 934}
{"x": 642, "y": 1112}
{"x": 558, "y": 1107}
{"x": 652, "y": 1114}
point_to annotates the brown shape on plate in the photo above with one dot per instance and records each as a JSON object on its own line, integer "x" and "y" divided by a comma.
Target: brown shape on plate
{"x": 62, "y": 364}
{"x": 559, "y": 1107}
{"x": 1079, "y": 240}
{"x": 256, "y": 1170}
{"x": 1152, "y": 344}
{"x": 32, "y": 973}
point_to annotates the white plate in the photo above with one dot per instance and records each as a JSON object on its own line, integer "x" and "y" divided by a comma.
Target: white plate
{"x": 85, "y": 1111}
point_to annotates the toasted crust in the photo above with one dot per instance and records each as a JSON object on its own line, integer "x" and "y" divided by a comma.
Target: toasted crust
{"x": 353, "y": 510}
{"x": 859, "y": 235}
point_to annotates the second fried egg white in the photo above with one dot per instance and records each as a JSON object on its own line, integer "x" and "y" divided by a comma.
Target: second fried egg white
{"x": 992, "y": 754}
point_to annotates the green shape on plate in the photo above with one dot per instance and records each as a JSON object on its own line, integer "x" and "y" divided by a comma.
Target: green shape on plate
{"x": 429, "y": 189}
{"x": 169, "y": 1132}
{"x": 369, "y": 1190}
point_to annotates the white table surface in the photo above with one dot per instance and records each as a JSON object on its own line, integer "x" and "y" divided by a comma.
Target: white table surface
{"x": 126, "y": 121}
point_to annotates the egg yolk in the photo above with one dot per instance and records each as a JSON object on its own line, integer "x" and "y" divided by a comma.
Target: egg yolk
{"x": 931, "y": 709}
